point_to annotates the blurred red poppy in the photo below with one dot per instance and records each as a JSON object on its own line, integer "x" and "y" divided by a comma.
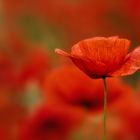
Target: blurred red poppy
{"x": 116, "y": 129}
{"x": 123, "y": 120}
{"x": 129, "y": 111}
{"x": 35, "y": 66}
{"x": 102, "y": 57}
{"x": 50, "y": 122}
{"x": 21, "y": 60}
{"x": 68, "y": 85}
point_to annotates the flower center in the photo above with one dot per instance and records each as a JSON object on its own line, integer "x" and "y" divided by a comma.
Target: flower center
{"x": 49, "y": 125}
{"x": 86, "y": 104}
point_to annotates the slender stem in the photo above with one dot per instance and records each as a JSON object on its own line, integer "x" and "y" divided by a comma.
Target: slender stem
{"x": 105, "y": 109}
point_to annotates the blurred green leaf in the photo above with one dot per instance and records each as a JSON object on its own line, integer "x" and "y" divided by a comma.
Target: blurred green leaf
{"x": 43, "y": 32}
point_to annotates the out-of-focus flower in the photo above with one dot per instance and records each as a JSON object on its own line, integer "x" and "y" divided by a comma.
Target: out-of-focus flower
{"x": 50, "y": 122}
{"x": 35, "y": 66}
{"x": 125, "y": 117}
{"x": 102, "y": 57}
{"x": 116, "y": 129}
{"x": 68, "y": 85}
{"x": 129, "y": 111}
{"x": 122, "y": 120}
{"x": 11, "y": 115}
{"x": 22, "y": 61}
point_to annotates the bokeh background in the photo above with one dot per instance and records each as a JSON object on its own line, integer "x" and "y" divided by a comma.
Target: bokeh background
{"x": 33, "y": 77}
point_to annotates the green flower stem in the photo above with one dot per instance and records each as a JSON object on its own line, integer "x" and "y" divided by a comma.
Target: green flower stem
{"x": 105, "y": 110}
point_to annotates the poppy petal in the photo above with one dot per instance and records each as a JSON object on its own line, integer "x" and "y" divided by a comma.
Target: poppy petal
{"x": 61, "y": 52}
{"x": 131, "y": 65}
{"x": 102, "y": 49}
{"x": 83, "y": 64}
{"x": 87, "y": 67}
{"x": 108, "y": 51}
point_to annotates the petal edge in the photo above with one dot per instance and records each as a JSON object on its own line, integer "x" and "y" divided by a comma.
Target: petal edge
{"x": 131, "y": 65}
{"x": 61, "y": 52}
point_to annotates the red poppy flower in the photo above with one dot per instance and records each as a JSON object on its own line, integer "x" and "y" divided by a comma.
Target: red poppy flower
{"x": 50, "y": 123}
{"x": 104, "y": 57}
{"x": 68, "y": 85}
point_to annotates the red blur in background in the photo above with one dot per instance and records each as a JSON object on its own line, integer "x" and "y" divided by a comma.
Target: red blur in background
{"x": 45, "y": 97}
